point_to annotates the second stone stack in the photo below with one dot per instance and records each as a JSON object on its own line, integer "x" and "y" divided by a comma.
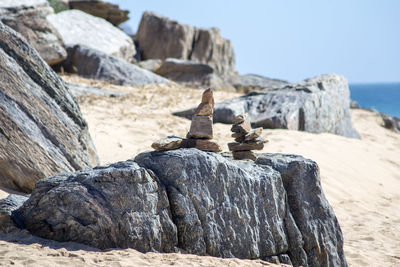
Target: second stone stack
{"x": 247, "y": 139}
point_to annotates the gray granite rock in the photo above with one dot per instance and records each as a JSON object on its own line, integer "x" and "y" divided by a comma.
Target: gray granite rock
{"x": 392, "y": 123}
{"x": 159, "y": 38}
{"x": 224, "y": 208}
{"x": 95, "y": 64}
{"x": 194, "y": 201}
{"x": 323, "y": 239}
{"x": 316, "y": 105}
{"x": 42, "y": 131}
{"x": 78, "y": 28}
{"x": 7, "y": 206}
{"x": 251, "y": 82}
{"x": 118, "y": 205}
{"x": 28, "y": 17}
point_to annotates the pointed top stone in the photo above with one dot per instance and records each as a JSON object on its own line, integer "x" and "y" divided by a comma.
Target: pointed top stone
{"x": 206, "y": 107}
{"x": 241, "y": 118}
{"x": 208, "y": 97}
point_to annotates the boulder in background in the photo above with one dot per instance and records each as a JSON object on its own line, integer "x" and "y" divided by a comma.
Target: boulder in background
{"x": 29, "y": 19}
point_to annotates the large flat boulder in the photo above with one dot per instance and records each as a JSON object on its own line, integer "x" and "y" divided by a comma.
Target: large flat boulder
{"x": 79, "y": 28}
{"x": 194, "y": 201}
{"x": 42, "y": 131}
{"x": 28, "y": 17}
{"x": 317, "y": 105}
{"x": 114, "y": 206}
{"x": 97, "y": 8}
{"x": 191, "y": 73}
{"x": 94, "y": 64}
{"x": 159, "y": 37}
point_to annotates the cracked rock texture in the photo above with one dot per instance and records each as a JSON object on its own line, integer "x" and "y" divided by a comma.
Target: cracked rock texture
{"x": 195, "y": 201}
{"x": 42, "y": 131}
{"x": 28, "y": 17}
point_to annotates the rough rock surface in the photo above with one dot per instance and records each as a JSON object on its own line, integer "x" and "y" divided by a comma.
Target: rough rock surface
{"x": 196, "y": 201}
{"x": 95, "y": 64}
{"x": 320, "y": 104}
{"x": 118, "y": 205}
{"x": 392, "y": 123}
{"x": 250, "y": 82}
{"x": 29, "y": 19}
{"x": 193, "y": 74}
{"x": 323, "y": 239}
{"x": 159, "y": 38}
{"x": 79, "y": 28}
{"x": 7, "y": 206}
{"x": 101, "y": 9}
{"x": 42, "y": 131}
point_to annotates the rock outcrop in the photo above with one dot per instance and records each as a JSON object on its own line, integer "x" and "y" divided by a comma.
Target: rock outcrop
{"x": 95, "y": 64}
{"x": 316, "y": 105}
{"x": 29, "y": 19}
{"x": 251, "y": 82}
{"x": 118, "y": 205}
{"x": 42, "y": 131}
{"x": 191, "y": 73}
{"x": 159, "y": 38}
{"x": 78, "y": 28}
{"x": 195, "y": 201}
{"x": 97, "y": 8}
{"x": 323, "y": 239}
{"x": 391, "y": 123}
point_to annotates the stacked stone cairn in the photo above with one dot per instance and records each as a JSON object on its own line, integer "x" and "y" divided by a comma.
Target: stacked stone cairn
{"x": 247, "y": 139}
{"x": 200, "y": 135}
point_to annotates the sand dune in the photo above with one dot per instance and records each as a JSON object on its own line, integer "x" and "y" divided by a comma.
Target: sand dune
{"x": 361, "y": 178}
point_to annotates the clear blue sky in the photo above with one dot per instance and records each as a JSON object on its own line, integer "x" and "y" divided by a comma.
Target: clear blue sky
{"x": 295, "y": 39}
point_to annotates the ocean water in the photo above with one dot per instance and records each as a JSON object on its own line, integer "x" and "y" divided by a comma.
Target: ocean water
{"x": 384, "y": 97}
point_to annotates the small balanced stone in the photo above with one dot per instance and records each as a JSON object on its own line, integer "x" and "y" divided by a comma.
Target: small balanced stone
{"x": 245, "y": 146}
{"x": 206, "y": 107}
{"x": 202, "y": 144}
{"x": 253, "y": 134}
{"x": 243, "y": 127}
{"x": 240, "y": 118}
{"x": 168, "y": 143}
{"x": 201, "y": 127}
{"x": 240, "y": 155}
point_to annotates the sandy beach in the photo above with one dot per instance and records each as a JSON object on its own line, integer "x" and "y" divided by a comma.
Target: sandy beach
{"x": 360, "y": 178}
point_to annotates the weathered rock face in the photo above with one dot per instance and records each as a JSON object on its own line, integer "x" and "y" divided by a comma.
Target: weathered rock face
{"x": 160, "y": 38}
{"x": 320, "y": 104}
{"x": 118, "y": 205}
{"x": 323, "y": 239}
{"x": 7, "y": 206}
{"x": 391, "y": 123}
{"x": 42, "y": 131}
{"x": 250, "y": 82}
{"x": 95, "y": 64}
{"x": 101, "y": 9}
{"x": 196, "y": 201}
{"x": 193, "y": 74}
{"x": 29, "y": 19}
{"x": 79, "y": 28}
